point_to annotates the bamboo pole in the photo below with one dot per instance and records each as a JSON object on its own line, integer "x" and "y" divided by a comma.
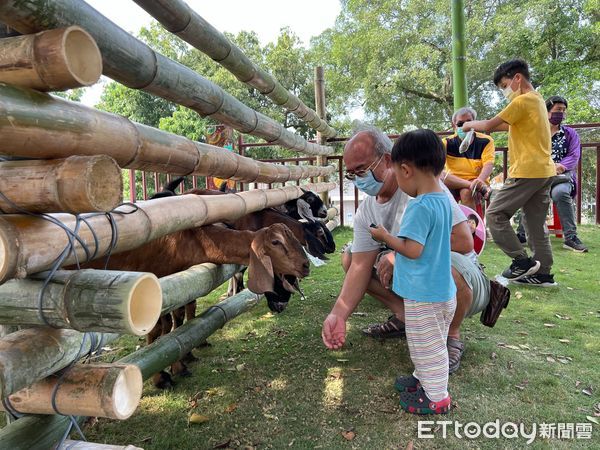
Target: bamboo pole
{"x": 84, "y": 445}
{"x": 31, "y": 244}
{"x": 52, "y": 60}
{"x": 85, "y": 300}
{"x": 76, "y": 184}
{"x": 319, "y": 82}
{"x": 34, "y": 432}
{"x": 177, "y": 17}
{"x": 183, "y": 287}
{"x": 37, "y": 125}
{"x": 178, "y": 343}
{"x": 32, "y": 354}
{"x": 133, "y": 63}
{"x": 100, "y": 390}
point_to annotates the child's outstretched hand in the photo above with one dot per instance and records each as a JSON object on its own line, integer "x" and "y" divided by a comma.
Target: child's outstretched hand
{"x": 378, "y": 232}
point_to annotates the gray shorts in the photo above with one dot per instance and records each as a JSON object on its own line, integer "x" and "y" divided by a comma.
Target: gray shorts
{"x": 471, "y": 272}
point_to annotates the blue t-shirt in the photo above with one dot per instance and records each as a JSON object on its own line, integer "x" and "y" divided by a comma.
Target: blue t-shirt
{"x": 428, "y": 221}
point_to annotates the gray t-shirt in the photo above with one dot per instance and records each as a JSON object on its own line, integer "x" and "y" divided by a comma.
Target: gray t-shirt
{"x": 389, "y": 215}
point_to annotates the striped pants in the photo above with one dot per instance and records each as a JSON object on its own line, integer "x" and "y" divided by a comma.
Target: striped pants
{"x": 427, "y": 326}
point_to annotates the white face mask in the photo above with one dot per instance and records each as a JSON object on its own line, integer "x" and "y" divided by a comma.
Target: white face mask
{"x": 509, "y": 93}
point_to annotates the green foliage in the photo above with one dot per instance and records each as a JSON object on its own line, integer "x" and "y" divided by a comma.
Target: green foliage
{"x": 73, "y": 95}
{"x": 185, "y": 122}
{"x": 393, "y": 58}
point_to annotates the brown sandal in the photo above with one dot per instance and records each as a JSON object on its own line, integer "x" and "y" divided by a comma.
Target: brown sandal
{"x": 456, "y": 349}
{"x": 392, "y": 328}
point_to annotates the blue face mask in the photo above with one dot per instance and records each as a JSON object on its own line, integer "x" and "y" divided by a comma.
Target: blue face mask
{"x": 461, "y": 134}
{"x": 368, "y": 184}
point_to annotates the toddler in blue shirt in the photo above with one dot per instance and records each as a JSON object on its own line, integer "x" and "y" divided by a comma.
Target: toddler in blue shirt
{"x": 422, "y": 271}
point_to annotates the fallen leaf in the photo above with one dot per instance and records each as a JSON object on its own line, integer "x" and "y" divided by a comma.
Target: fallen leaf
{"x": 550, "y": 359}
{"x": 212, "y": 391}
{"x": 569, "y": 288}
{"x": 343, "y": 360}
{"x": 359, "y": 314}
{"x": 519, "y": 387}
{"x": 512, "y": 347}
{"x": 577, "y": 383}
{"x": 493, "y": 356}
{"x": 593, "y": 419}
{"x": 563, "y": 360}
{"x": 349, "y": 435}
{"x": 198, "y": 418}
{"x": 564, "y": 341}
{"x": 549, "y": 325}
{"x": 510, "y": 365}
{"x": 231, "y": 408}
{"x": 270, "y": 416}
{"x": 240, "y": 367}
{"x": 355, "y": 369}
{"x": 587, "y": 391}
{"x": 523, "y": 333}
{"x": 524, "y": 347}
{"x": 519, "y": 295}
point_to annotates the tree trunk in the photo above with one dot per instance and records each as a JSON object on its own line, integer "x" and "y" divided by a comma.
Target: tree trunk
{"x": 33, "y": 354}
{"x": 39, "y": 126}
{"x": 133, "y": 63}
{"x": 31, "y": 244}
{"x": 99, "y": 390}
{"x": 75, "y": 185}
{"x": 181, "y": 20}
{"x": 178, "y": 343}
{"x": 54, "y": 60}
{"x": 85, "y": 300}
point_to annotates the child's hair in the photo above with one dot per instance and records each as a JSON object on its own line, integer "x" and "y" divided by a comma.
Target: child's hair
{"x": 554, "y": 100}
{"x": 510, "y": 68}
{"x": 474, "y": 218}
{"x": 423, "y": 148}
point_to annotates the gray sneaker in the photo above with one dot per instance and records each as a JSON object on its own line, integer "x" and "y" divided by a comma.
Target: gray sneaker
{"x": 575, "y": 245}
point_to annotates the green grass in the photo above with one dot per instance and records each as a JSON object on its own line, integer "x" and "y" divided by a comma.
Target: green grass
{"x": 267, "y": 381}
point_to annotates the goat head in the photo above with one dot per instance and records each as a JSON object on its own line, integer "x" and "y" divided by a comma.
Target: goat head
{"x": 275, "y": 251}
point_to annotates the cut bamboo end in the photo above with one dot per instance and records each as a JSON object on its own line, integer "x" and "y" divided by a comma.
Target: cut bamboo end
{"x": 82, "y": 56}
{"x": 59, "y": 59}
{"x": 144, "y": 304}
{"x": 127, "y": 392}
{"x": 103, "y": 186}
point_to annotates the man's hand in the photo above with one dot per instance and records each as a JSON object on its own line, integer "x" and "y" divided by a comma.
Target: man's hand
{"x": 378, "y": 232}
{"x": 385, "y": 270}
{"x": 476, "y": 185}
{"x": 334, "y": 332}
{"x": 559, "y": 168}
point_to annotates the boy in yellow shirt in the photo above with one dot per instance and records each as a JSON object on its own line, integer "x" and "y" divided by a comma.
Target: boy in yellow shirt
{"x": 529, "y": 176}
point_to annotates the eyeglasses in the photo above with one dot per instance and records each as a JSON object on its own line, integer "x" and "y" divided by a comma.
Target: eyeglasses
{"x": 363, "y": 173}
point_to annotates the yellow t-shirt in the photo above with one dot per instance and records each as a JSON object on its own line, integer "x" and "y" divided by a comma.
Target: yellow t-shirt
{"x": 468, "y": 165}
{"x": 529, "y": 145}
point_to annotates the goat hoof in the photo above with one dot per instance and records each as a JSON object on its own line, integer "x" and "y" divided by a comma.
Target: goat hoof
{"x": 165, "y": 381}
{"x": 185, "y": 373}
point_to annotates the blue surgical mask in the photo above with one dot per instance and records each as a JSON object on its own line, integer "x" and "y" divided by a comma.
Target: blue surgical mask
{"x": 461, "y": 134}
{"x": 368, "y": 184}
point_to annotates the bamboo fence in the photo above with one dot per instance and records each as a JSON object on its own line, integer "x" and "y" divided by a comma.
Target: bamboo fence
{"x": 133, "y": 63}
{"x": 37, "y": 125}
{"x": 178, "y": 18}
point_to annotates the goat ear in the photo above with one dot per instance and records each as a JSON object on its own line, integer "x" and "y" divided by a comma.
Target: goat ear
{"x": 303, "y": 190}
{"x": 260, "y": 269}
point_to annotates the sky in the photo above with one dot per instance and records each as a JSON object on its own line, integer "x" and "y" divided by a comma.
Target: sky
{"x": 306, "y": 18}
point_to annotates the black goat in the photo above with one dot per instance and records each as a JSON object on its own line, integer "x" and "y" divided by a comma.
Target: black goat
{"x": 308, "y": 206}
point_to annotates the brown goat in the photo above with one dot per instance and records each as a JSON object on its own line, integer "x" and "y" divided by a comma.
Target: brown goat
{"x": 269, "y": 252}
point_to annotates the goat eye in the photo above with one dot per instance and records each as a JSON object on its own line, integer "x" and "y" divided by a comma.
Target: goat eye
{"x": 310, "y": 199}
{"x": 276, "y": 242}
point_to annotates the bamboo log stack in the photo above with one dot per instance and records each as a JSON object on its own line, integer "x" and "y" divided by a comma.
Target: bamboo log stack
{"x": 79, "y": 130}
{"x": 133, "y": 63}
{"x": 52, "y": 60}
{"x": 178, "y": 18}
{"x": 178, "y": 343}
{"x": 98, "y": 390}
{"x": 85, "y": 300}
{"x": 74, "y": 185}
{"x": 31, "y": 244}
{"x": 32, "y": 354}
